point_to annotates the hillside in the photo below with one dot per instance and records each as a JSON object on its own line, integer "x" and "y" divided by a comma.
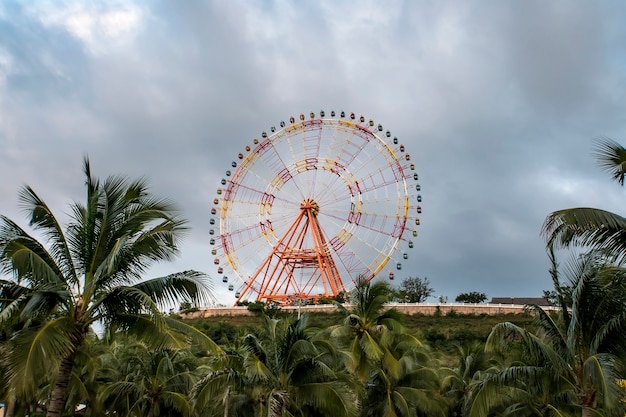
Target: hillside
{"x": 440, "y": 332}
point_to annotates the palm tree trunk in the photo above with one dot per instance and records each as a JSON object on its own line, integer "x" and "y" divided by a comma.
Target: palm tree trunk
{"x": 586, "y": 400}
{"x": 10, "y": 406}
{"x": 61, "y": 387}
{"x": 151, "y": 410}
{"x": 226, "y": 401}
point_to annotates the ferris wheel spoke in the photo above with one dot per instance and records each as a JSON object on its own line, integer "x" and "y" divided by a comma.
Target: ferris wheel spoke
{"x": 280, "y": 168}
{"x": 333, "y": 218}
{"x": 312, "y": 145}
{"x": 361, "y": 257}
{"x": 378, "y": 227}
{"x": 334, "y": 200}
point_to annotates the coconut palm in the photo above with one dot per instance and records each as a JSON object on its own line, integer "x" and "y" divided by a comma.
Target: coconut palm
{"x": 86, "y": 381}
{"x": 285, "y": 371}
{"x": 405, "y": 383}
{"x": 592, "y": 227}
{"x": 147, "y": 382}
{"x": 90, "y": 271}
{"x": 384, "y": 359}
{"x": 473, "y": 364}
{"x": 573, "y": 362}
{"x": 369, "y": 328}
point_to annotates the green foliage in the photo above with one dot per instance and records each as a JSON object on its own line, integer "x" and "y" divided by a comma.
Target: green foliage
{"x": 396, "y": 376}
{"x": 561, "y": 294}
{"x": 452, "y": 313}
{"x": 434, "y": 336}
{"x": 256, "y": 307}
{"x": 339, "y": 298}
{"x": 272, "y": 309}
{"x": 140, "y": 381}
{"x": 284, "y": 370}
{"x": 414, "y": 290}
{"x": 223, "y": 333}
{"x": 473, "y": 297}
{"x": 187, "y": 307}
{"x": 408, "y": 369}
{"x": 575, "y": 360}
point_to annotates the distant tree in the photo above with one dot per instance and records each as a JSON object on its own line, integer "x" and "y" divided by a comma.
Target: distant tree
{"x": 474, "y": 297}
{"x": 552, "y": 296}
{"x": 187, "y": 307}
{"x": 415, "y": 290}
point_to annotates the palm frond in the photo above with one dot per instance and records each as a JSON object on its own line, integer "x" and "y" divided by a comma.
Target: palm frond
{"x": 12, "y": 298}
{"x": 24, "y": 257}
{"x": 599, "y": 374}
{"x": 192, "y": 286}
{"x": 490, "y": 394}
{"x": 587, "y": 227}
{"x": 36, "y": 351}
{"x": 611, "y": 156}
{"x": 123, "y": 301}
{"x": 178, "y": 401}
{"x": 537, "y": 351}
{"x": 330, "y": 398}
{"x": 370, "y": 347}
{"x": 42, "y": 219}
{"x": 209, "y": 391}
{"x": 45, "y": 302}
{"x": 122, "y": 230}
{"x": 556, "y": 334}
{"x": 196, "y": 337}
{"x": 155, "y": 332}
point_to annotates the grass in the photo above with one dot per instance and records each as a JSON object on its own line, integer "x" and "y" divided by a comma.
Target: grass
{"x": 440, "y": 332}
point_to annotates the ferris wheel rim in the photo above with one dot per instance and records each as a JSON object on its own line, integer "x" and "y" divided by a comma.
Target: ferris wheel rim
{"x": 317, "y": 166}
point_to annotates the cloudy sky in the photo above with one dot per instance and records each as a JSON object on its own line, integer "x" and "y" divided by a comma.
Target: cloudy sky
{"x": 499, "y": 103}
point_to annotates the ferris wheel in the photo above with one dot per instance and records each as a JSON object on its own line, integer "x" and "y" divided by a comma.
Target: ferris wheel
{"x": 311, "y": 206}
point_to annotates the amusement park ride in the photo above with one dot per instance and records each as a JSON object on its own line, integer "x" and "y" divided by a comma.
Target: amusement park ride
{"x": 312, "y": 206}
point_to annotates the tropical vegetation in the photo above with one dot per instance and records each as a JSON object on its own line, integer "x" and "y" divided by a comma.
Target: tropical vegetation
{"x": 86, "y": 273}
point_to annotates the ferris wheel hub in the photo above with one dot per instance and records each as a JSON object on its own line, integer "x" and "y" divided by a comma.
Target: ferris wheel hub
{"x": 310, "y": 206}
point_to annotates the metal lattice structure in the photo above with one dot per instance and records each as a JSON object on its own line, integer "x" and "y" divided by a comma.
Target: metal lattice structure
{"x": 311, "y": 206}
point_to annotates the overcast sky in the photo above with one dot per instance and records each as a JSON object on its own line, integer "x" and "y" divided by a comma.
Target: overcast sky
{"x": 499, "y": 103}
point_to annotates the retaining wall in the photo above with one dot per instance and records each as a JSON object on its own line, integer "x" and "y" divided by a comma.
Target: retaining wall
{"x": 406, "y": 308}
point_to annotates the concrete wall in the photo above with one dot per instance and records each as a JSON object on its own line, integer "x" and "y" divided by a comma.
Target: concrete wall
{"x": 409, "y": 309}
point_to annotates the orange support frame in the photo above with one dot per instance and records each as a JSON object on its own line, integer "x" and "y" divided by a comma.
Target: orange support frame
{"x": 291, "y": 271}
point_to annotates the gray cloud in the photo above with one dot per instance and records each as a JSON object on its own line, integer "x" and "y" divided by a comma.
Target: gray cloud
{"x": 497, "y": 102}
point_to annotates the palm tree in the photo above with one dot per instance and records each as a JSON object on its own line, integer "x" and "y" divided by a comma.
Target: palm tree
{"x": 573, "y": 359}
{"x": 224, "y": 385}
{"x": 473, "y": 364}
{"x": 90, "y": 271}
{"x": 369, "y": 328}
{"x": 151, "y": 383}
{"x": 392, "y": 367}
{"x": 285, "y": 371}
{"x": 592, "y": 227}
{"x": 405, "y": 383}
{"x": 87, "y": 380}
